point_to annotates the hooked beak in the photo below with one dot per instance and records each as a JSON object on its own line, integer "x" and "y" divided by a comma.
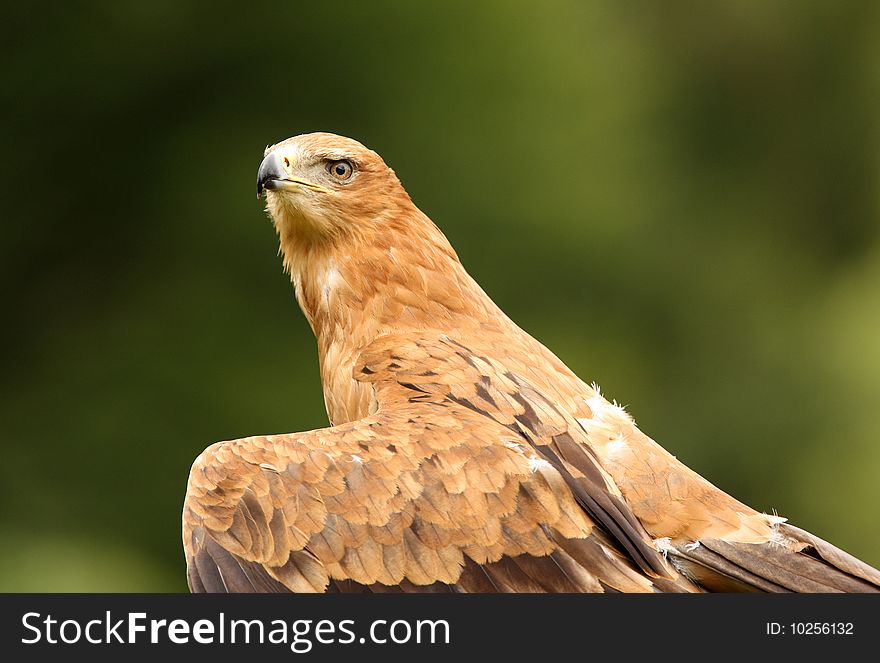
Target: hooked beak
{"x": 270, "y": 174}
{"x": 274, "y": 173}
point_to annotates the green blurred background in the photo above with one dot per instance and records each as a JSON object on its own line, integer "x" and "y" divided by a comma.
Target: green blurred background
{"x": 679, "y": 198}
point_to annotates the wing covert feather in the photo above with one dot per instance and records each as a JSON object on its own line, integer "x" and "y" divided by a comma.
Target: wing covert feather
{"x": 378, "y": 501}
{"x": 426, "y": 490}
{"x": 473, "y": 475}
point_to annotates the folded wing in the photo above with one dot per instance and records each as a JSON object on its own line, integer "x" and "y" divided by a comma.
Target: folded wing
{"x": 427, "y": 494}
{"x": 469, "y": 478}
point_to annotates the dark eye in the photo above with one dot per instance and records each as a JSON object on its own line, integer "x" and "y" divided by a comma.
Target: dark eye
{"x": 341, "y": 169}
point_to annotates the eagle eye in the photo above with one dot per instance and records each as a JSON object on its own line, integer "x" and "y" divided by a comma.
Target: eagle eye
{"x": 340, "y": 169}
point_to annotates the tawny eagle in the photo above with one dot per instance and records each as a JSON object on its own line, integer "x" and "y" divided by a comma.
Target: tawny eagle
{"x": 463, "y": 455}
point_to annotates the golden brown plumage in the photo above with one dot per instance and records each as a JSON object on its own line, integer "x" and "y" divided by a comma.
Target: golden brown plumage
{"x": 463, "y": 455}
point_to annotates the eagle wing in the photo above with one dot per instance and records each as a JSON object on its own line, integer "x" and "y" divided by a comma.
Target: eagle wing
{"x": 467, "y": 478}
{"x": 425, "y": 494}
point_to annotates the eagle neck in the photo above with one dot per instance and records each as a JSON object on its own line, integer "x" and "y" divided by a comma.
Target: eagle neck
{"x": 400, "y": 275}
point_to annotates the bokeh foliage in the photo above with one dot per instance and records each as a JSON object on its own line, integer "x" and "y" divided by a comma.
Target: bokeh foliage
{"x": 679, "y": 198}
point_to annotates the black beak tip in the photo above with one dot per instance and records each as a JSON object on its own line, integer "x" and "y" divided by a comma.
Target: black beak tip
{"x": 267, "y": 173}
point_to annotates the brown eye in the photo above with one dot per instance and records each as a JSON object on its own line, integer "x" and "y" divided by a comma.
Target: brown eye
{"x": 341, "y": 169}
